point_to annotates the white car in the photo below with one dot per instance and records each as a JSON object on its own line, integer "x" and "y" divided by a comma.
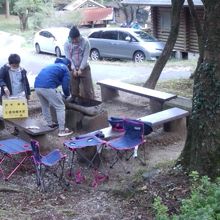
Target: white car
{"x": 51, "y": 40}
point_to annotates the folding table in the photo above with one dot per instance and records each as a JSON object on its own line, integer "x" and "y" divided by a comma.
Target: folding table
{"x": 75, "y": 144}
{"x": 16, "y": 150}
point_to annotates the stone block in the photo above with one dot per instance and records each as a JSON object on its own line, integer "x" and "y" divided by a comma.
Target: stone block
{"x": 92, "y": 123}
{"x": 2, "y": 124}
{"x": 46, "y": 140}
{"x": 74, "y": 119}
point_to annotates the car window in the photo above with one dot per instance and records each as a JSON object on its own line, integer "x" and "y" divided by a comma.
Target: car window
{"x": 46, "y": 34}
{"x": 50, "y": 35}
{"x": 122, "y": 36}
{"x": 111, "y": 35}
{"x": 96, "y": 34}
{"x": 43, "y": 33}
{"x": 144, "y": 36}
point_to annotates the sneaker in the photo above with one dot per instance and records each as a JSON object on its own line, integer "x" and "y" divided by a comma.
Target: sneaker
{"x": 64, "y": 133}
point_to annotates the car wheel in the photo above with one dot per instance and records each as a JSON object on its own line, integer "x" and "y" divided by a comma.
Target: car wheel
{"x": 57, "y": 52}
{"x": 139, "y": 57}
{"x": 37, "y": 48}
{"x": 94, "y": 54}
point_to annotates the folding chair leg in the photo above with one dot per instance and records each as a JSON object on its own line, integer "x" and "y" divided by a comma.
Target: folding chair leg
{"x": 142, "y": 162}
{"x": 118, "y": 153}
{"x": 90, "y": 162}
{"x": 15, "y": 169}
{"x": 62, "y": 178}
{"x": 71, "y": 164}
{"x": 39, "y": 175}
{"x": 115, "y": 161}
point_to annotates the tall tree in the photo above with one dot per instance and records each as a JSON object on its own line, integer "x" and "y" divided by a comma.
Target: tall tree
{"x": 161, "y": 62}
{"x": 7, "y": 8}
{"x": 202, "y": 147}
{"x": 200, "y": 33}
{"x": 27, "y": 8}
{"x": 128, "y": 10}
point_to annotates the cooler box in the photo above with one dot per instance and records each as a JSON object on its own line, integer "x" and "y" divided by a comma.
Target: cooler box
{"x": 14, "y": 107}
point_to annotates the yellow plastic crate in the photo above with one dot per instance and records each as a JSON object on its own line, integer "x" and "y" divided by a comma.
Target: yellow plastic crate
{"x": 14, "y": 108}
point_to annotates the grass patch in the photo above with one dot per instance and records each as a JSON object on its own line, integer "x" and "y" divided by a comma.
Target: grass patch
{"x": 167, "y": 164}
{"x": 177, "y": 63}
{"x": 12, "y": 25}
{"x": 181, "y": 87}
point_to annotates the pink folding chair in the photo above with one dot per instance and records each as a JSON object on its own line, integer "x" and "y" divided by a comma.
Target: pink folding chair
{"x": 17, "y": 151}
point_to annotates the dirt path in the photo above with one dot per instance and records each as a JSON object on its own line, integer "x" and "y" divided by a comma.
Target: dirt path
{"x": 113, "y": 200}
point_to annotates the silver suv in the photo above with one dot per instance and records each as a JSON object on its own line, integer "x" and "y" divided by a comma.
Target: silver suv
{"x": 124, "y": 43}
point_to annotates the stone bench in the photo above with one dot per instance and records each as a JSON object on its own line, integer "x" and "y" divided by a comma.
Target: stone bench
{"x": 28, "y": 128}
{"x": 180, "y": 102}
{"x": 171, "y": 119}
{"x": 110, "y": 88}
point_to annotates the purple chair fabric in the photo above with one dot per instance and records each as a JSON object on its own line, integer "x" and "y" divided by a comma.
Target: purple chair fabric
{"x": 54, "y": 159}
{"x": 133, "y": 136}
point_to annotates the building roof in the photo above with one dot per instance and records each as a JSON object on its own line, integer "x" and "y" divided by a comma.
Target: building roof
{"x": 82, "y": 4}
{"x": 158, "y": 2}
{"x": 97, "y": 14}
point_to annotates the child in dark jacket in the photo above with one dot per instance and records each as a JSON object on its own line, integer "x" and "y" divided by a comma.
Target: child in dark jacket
{"x": 13, "y": 78}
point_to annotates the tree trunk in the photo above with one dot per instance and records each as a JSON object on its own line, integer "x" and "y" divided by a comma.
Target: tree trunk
{"x": 7, "y": 10}
{"x": 200, "y": 34}
{"x": 23, "y": 21}
{"x": 202, "y": 147}
{"x": 161, "y": 62}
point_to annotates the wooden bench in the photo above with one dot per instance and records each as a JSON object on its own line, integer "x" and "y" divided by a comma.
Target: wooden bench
{"x": 33, "y": 129}
{"x": 170, "y": 119}
{"x": 110, "y": 88}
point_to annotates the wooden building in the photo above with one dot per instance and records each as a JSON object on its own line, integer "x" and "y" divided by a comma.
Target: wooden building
{"x": 187, "y": 42}
{"x": 93, "y": 13}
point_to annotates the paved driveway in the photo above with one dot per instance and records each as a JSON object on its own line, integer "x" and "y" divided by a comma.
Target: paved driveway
{"x": 124, "y": 71}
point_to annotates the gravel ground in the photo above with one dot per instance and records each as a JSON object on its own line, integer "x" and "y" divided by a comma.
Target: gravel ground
{"x": 113, "y": 199}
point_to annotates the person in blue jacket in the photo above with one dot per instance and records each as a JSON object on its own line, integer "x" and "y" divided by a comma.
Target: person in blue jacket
{"x": 46, "y": 84}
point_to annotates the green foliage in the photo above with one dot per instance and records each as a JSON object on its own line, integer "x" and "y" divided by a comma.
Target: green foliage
{"x": 65, "y": 18}
{"x": 27, "y": 6}
{"x": 38, "y": 10}
{"x": 1, "y": 3}
{"x": 161, "y": 209}
{"x": 203, "y": 204}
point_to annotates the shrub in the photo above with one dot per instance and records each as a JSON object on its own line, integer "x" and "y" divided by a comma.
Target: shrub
{"x": 203, "y": 204}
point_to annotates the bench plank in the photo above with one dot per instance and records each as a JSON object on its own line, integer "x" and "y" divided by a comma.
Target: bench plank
{"x": 165, "y": 116}
{"x": 137, "y": 90}
{"x": 155, "y": 120}
{"x": 29, "y": 126}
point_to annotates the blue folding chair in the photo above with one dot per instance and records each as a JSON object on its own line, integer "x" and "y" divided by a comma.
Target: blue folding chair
{"x": 53, "y": 161}
{"x": 17, "y": 151}
{"x": 75, "y": 145}
{"x": 132, "y": 138}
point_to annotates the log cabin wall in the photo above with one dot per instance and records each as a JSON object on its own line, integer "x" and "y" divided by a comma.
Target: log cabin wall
{"x": 193, "y": 39}
{"x": 187, "y": 38}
